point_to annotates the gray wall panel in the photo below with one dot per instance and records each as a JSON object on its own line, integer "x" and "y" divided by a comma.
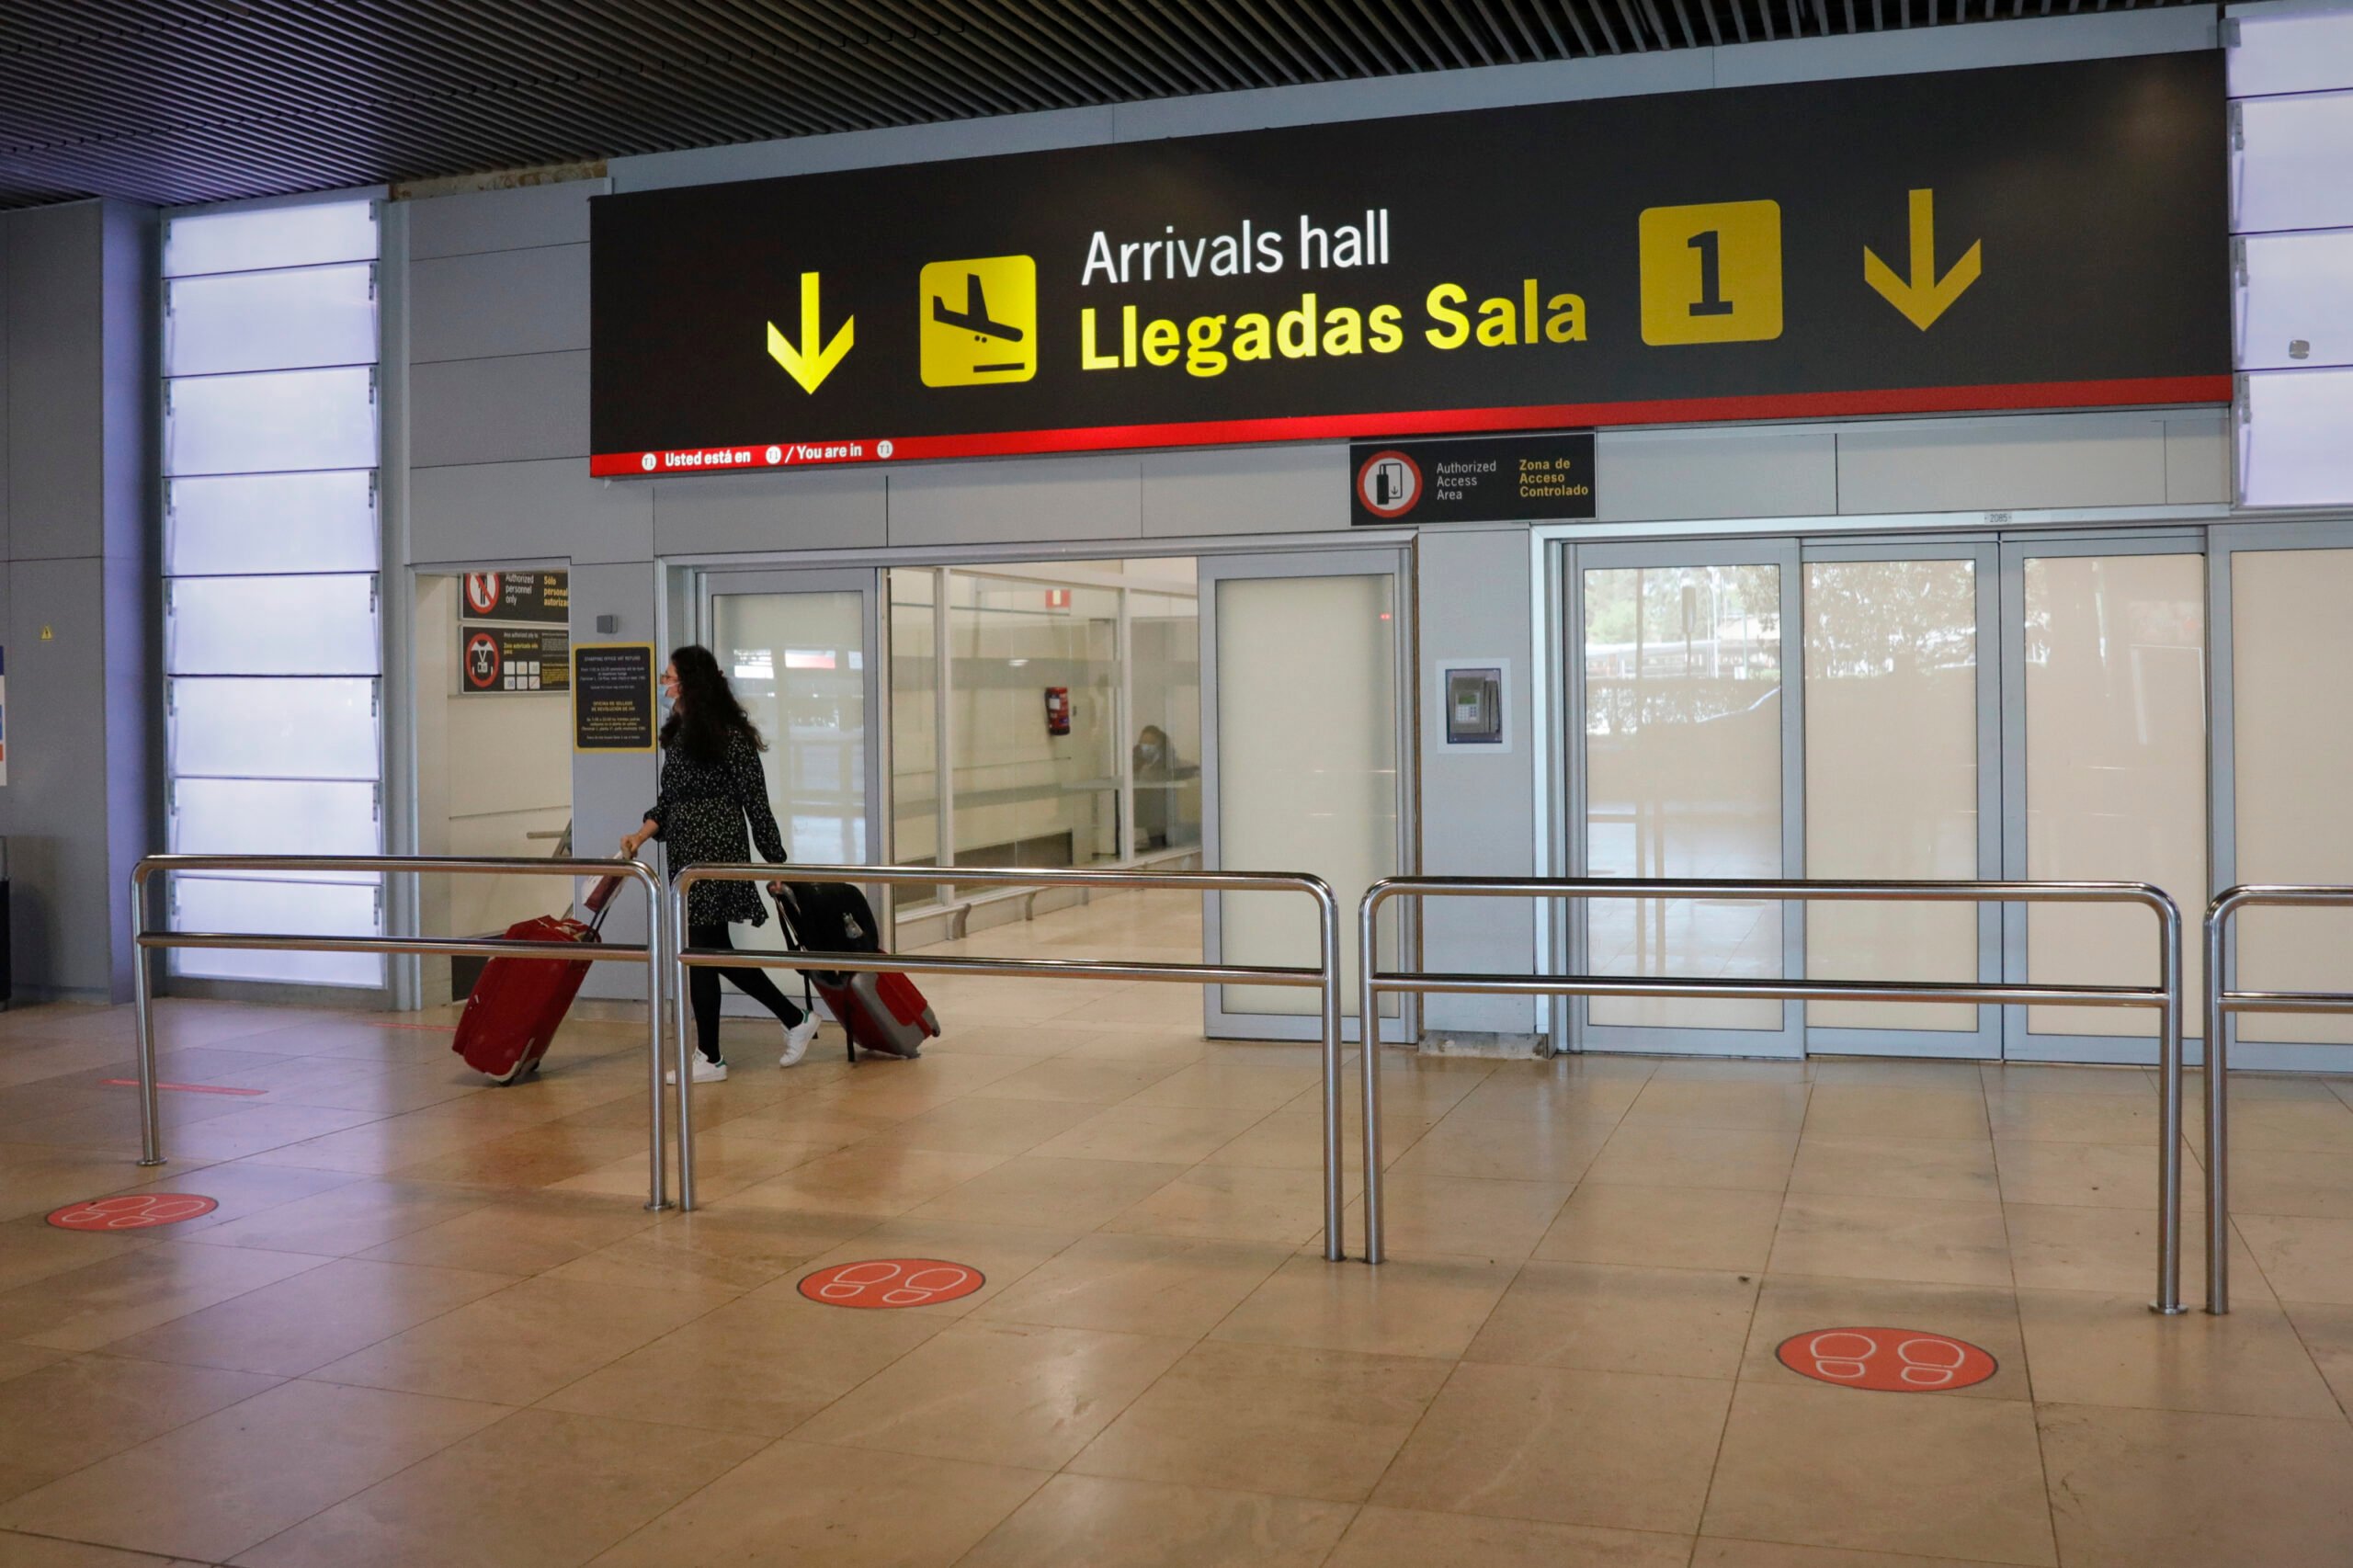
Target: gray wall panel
{"x": 1438, "y": 92}
{"x": 487, "y": 411}
{"x": 53, "y": 809}
{"x": 866, "y": 148}
{"x": 2198, "y": 458}
{"x": 1477, "y": 808}
{"x": 1697, "y": 474}
{"x": 495, "y": 303}
{"x": 7, "y": 228}
{"x": 611, "y": 791}
{"x": 56, "y": 395}
{"x": 501, "y": 219}
{"x": 1014, "y": 503}
{"x": 131, "y": 600}
{"x": 771, "y": 511}
{"x": 527, "y": 511}
{"x": 2034, "y": 461}
{"x": 500, "y": 302}
{"x": 1968, "y": 49}
{"x": 1245, "y": 491}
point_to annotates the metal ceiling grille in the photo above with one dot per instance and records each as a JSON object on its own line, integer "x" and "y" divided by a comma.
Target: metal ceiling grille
{"x": 173, "y": 101}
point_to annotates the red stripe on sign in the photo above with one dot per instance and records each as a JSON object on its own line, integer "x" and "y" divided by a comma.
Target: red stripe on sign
{"x": 2131, "y": 393}
{"x": 184, "y": 1088}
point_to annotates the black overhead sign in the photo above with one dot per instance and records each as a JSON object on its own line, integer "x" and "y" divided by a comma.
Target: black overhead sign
{"x": 1491, "y": 478}
{"x": 2024, "y": 237}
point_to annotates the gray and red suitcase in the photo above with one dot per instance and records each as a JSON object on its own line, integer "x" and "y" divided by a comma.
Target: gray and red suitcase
{"x": 881, "y": 1012}
{"x": 517, "y": 1005}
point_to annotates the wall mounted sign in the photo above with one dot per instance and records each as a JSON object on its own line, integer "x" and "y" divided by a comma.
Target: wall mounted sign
{"x": 1886, "y": 1360}
{"x": 532, "y": 598}
{"x": 512, "y": 658}
{"x": 1493, "y": 479}
{"x": 2036, "y": 236}
{"x": 612, "y": 697}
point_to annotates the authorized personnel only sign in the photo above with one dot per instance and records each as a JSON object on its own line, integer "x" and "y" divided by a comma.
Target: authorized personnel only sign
{"x": 2035, "y": 237}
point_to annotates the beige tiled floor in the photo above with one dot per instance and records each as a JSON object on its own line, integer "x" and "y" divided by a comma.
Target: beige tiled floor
{"x": 431, "y": 1322}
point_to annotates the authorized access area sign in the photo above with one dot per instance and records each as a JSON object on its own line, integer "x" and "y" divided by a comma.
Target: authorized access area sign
{"x": 1488, "y": 479}
{"x": 2024, "y": 237}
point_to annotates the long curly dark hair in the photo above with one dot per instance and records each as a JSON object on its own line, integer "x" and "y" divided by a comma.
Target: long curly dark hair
{"x": 707, "y": 716}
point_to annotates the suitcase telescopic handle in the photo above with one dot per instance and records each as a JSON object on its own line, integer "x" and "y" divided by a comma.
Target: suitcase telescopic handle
{"x": 600, "y": 899}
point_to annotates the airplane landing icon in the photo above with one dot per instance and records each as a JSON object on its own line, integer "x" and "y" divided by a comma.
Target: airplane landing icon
{"x": 993, "y": 336}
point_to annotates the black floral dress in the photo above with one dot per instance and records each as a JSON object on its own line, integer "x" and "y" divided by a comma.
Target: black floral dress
{"x": 701, "y": 817}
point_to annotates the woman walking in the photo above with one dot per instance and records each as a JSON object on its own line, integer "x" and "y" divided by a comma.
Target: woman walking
{"x": 712, "y": 786}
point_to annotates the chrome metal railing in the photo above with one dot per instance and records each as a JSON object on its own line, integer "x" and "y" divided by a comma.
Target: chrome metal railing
{"x": 2220, "y": 1001}
{"x": 146, "y": 940}
{"x": 2165, "y": 996}
{"x": 1325, "y": 976}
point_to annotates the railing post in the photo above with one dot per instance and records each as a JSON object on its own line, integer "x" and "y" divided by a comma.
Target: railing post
{"x": 1327, "y": 917}
{"x": 2169, "y": 1065}
{"x": 2218, "y": 1107}
{"x": 656, "y": 951}
{"x": 1376, "y": 1248}
{"x": 685, "y": 1052}
{"x": 142, "y": 1001}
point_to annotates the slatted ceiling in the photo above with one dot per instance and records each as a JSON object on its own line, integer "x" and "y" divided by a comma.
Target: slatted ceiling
{"x": 173, "y": 101}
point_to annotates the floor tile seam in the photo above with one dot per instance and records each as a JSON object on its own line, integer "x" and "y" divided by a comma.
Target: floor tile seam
{"x": 1704, "y": 1536}
{"x": 2344, "y": 1406}
{"x": 2034, "y": 1406}
{"x": 276, "y": 1383}
{"x": 1756, "y": 1301}
{"x": 103, "y": 1546}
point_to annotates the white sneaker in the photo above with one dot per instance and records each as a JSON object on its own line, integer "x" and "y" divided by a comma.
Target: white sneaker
{"x": 706, "y": 1071}
{"x": 796, "y": 1041}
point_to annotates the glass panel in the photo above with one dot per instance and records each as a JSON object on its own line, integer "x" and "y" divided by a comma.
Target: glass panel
{"x": 2290, "y": 173}
{"x": 271, "y": 321}
{"x": 273, "y": 729}
{"x": 256, "y": 816}
{"x": 310, "y": 909}
{"x": 272, "y": 523}
{"x": 269, "y": 236}
{"x": 2291, "y": 441}
{"x": 1308, "y": 785}
{"x": 1891, "y": 777}
{"x": 2295, "y": 293}
{"x": 252, "y": 626}
{"x": 1165, "y": 631}
{"x": 2114, "y": 769}
{"x": 915, "y": 733}
{"x": 798, "y": 662}
{"x": 2293, "y": 713}
{"x": 270, "y": 422}
{"x": 1683, "y": 779}
{"x": 1032, "y": 788}
{"x": 2290, "y": 54}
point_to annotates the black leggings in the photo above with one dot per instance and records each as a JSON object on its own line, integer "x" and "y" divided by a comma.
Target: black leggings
{"x": 702, "y": 989}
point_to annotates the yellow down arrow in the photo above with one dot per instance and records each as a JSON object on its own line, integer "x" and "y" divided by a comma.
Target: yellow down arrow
{"x": 814, "y": 358}
{"x": 1924, "y": 296}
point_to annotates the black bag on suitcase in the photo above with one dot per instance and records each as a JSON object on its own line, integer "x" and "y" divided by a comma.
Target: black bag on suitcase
{"x": 883, "y": 1013}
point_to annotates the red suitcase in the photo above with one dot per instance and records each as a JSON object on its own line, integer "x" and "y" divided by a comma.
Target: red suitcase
{"x": 517, "y": 1005}
{"x": 881, "y": 1013}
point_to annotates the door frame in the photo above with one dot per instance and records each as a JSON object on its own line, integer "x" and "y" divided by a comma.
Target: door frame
{"x": 709, "y": 584}
{"x": 2224, "y": 543}
{"x": 2019, "y": 1044}
{"x": 1985, "y": 1043}
{"x": 1367, "y": 560}
{"x": 1780, "y": 551}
